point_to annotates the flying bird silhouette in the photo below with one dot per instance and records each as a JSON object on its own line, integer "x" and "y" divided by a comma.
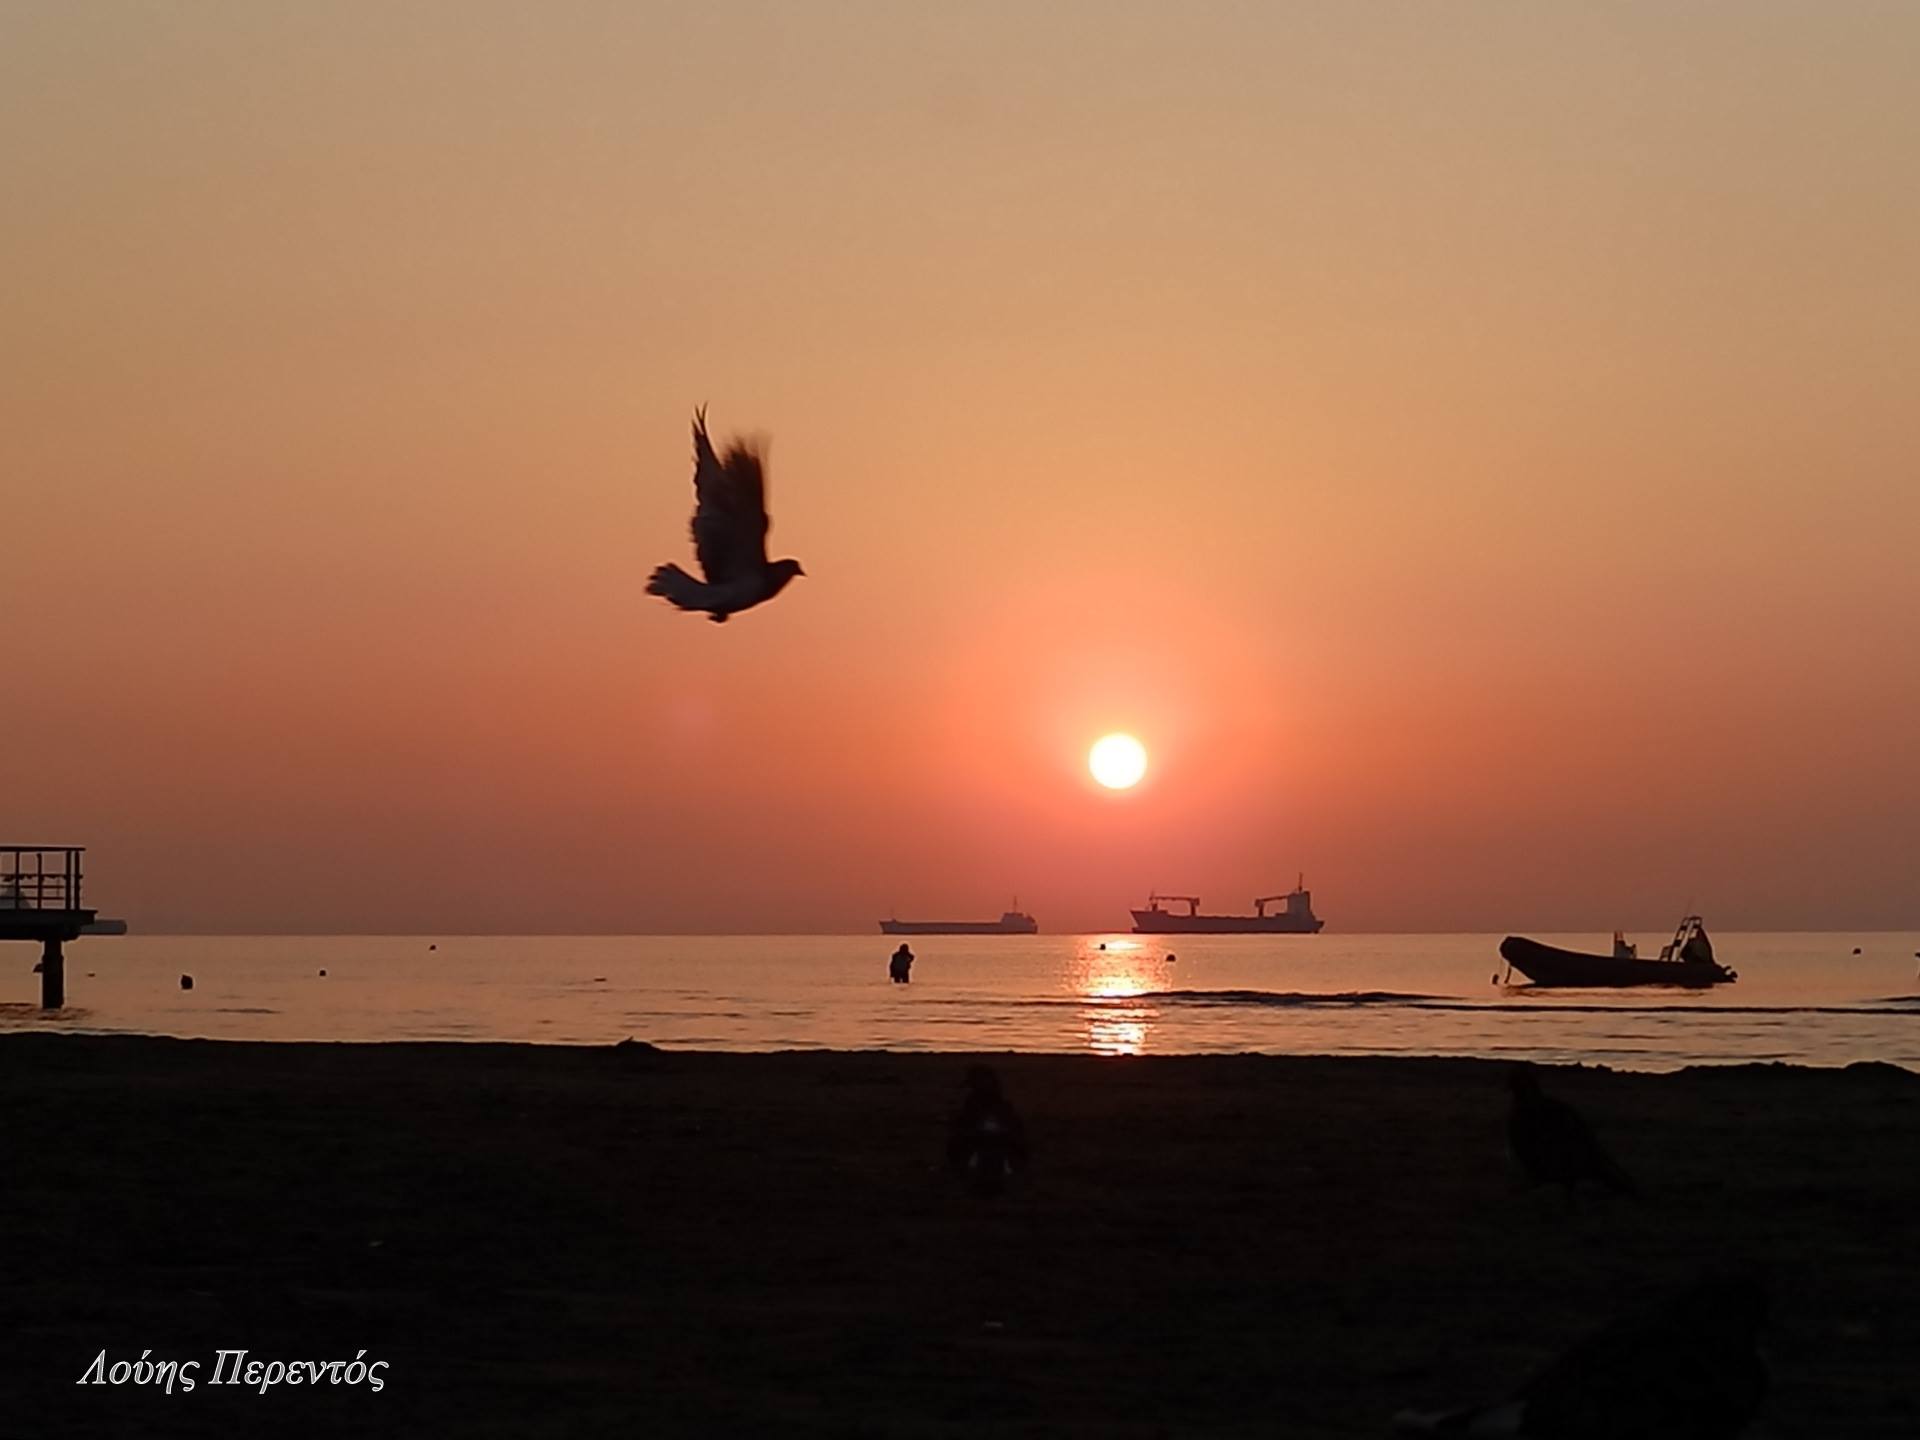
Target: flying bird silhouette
{"x": 730, "y": 527}
{"x": 1688, "y": 1369}
{"x": 1552, "y": 1141}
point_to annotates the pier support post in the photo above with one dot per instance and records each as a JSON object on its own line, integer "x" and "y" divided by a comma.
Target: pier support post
{"x": 53, "y": 974}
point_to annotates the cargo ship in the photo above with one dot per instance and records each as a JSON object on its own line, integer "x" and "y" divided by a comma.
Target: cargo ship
{"x": 1297, "y": 918}
{"x": 1013, "y": 922}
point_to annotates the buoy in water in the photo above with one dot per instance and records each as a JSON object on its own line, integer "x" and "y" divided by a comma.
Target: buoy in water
{"x": 1171, "y": 957}
{"x": 323, "y": 972}
{"x": 186, "y": 982}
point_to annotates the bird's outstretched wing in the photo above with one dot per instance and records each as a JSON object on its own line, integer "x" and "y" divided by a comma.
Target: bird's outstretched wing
{"x": 730, "y": 507}
{"x": 1687, "y": 1368}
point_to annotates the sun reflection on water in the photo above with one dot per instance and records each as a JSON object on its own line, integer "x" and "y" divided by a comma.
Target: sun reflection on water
{"x": 1117, "y": 1029}
{"x": 1109, "y": 973}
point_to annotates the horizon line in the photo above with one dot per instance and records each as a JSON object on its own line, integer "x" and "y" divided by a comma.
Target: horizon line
{"x": 873, "y": 934}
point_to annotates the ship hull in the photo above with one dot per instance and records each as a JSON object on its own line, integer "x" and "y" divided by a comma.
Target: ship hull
{"x": 958, "y": 927}
{"x": 1159, "y": 922}
{"x": 1549, "y": 965}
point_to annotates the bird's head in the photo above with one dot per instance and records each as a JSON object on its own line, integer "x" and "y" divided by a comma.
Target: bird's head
{"x": 782, "y": 571}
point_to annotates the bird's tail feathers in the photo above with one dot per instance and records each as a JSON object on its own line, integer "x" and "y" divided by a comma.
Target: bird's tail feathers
{"x": 676, "y": 586}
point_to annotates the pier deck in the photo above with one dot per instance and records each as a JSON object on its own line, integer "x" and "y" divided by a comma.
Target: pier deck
{"x": 40, "y": 900}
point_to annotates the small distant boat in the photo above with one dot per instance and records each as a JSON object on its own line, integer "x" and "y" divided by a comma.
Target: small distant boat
{"x": 1685, "y": 960}
{"x": 1013, "y": 922}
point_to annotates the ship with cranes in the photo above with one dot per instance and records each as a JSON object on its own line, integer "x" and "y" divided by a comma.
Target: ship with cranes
{"x": 1295, "y": 917}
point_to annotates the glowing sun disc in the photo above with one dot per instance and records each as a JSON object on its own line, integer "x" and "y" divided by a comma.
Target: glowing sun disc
{"x": 1117, "y": 761}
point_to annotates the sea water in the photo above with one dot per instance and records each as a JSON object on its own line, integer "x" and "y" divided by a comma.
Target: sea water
{"x": 1805, "y": 998}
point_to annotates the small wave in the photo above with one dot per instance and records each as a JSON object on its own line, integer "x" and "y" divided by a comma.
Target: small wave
{"x": 1293, "y": 999}
{"x": 1279, "y": 997}
{"x": 1208, "y": 997}
{"x": 243, "y": 1010}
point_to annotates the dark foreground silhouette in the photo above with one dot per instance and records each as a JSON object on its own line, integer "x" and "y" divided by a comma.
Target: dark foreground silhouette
{"x": 987, "y": 1142}
{"x": 573, "y": 1241}
{"x": 1688, "y": 1369}
{"x": 1553, "y": 1143}
{"x": 730, "y": 525}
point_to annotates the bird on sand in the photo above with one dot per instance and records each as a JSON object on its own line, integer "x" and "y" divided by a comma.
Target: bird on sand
{"x": 987, "y": 1142}
{"x": 1552, "y": 1141}
{"x": 730, "y": 527}
{"x": 1685, "y": 1369}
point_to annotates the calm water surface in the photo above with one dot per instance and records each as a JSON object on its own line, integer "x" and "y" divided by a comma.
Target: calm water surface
{"x": 1800, "y": 997}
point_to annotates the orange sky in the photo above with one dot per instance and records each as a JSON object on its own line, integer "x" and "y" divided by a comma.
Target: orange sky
{"x": 1473, "y": 446}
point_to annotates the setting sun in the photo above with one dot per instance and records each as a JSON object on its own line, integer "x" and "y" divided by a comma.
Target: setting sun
{"x": 1117, "y": 761}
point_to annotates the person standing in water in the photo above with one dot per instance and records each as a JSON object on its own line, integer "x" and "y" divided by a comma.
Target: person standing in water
{"x": 900, "y": 967}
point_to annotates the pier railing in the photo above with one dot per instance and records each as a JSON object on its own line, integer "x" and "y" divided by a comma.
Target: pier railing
{"x": 40, "y": 877}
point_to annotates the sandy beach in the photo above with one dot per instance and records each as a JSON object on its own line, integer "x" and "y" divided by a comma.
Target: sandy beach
{"x": 563, "y": 1241}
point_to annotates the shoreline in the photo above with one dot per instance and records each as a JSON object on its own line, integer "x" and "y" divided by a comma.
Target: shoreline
{"x": 33, "y": 1025}
{"x": 565, "y": 1239}
{"x": 638, "y": 1050}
